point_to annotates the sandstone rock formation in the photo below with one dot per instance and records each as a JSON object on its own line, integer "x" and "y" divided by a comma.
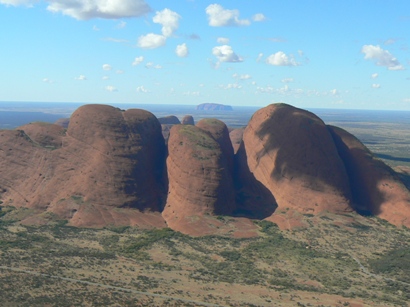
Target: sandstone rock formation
{"x": 376, "y": 188}
{"x": 169, "y": 120}
{"x": 291, "y": 152}
{"x": 188, "y": 120}
{"x": 111, "y": 167}
{"x": 44, "y": 134}
{"x": 219, "y": 132}
{"x": 108, "y": 159}
{"x": 199, "y": 179}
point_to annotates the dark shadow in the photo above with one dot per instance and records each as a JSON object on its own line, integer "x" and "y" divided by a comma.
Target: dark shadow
{"x": 364, "y": 173}
{"x": 303, "y": 149}
{"x": 405, "y": 178}
{"x": 392, "y": 158}
{"x": 253, "y": 199}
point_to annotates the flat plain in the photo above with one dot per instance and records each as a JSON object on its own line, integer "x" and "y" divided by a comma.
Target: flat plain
{"x": 338, "y": 260}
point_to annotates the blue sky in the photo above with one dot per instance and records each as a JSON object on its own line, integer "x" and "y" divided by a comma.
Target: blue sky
{"x": 331, "y": 54}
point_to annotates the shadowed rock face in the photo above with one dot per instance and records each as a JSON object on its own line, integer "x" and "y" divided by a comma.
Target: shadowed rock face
{"x": 188, "y": 120}
{"x": 291, "y": 152}
{"x": 63, "y": 122}
{"x": 199, "y": 180}
{"x": 376, "y": 189}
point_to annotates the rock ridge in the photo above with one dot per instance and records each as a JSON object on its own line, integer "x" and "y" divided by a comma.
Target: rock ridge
{"x": 114, "y": 167}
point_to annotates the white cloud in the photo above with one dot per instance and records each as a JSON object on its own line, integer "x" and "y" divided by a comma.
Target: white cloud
{"x": 182, "y": 50}
{"x": 231, "y": 86}
{"x": 281, "y": 59}
{"x": 107, "y": 67}
{"x": 169, "y": 21}
{"x": 108, "y": 9}
{"x": 138, "y": 60}
{"x": 374, "y": 85}
{"x": 390, "y": 41}
{"x": 375, "y": 75}
{"x": 151, "y": 41}
{"x": 406, "y": 100}
{"x": 258, "y": 17}
{"x": 119, "y": 71}
{"x": 242, "y": 77}
{"x": 115, "y": 40}
{"x": 28, "y": 3}
{"x": 105, "y": 78}
{"x": 277, "y": 39}
{"x": 111, "y": 88}
{"x": 142, "y": 89}
{"x": 191, "y": 93}
{"x": 226, "y": 54}
{"x": 335, "y": 92}
{"x": 81, "y": 78}
{"x": 95, "y": 28}
{"x": 47, "y": 80}
{"x": 381, "y": 57}
{"x": 152, "y": 65}
{"x": 121, "y": 25}
{"x": 223, "y": 40}
{"x": 287, "y": 80}
{"x": 220, "y": 17}
{"x": 259, "y": 58}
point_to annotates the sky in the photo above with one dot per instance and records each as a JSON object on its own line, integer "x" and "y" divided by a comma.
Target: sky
{"x": 307, "y": 53}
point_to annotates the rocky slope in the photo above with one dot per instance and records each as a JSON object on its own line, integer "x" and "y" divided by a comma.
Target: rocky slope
{"x": 113, "y": 167}
{"x": 108, "y": 159}
{"x": 291, "y": 152}
{"x": 200, "y": 182}
{"x": 376, "y": 188}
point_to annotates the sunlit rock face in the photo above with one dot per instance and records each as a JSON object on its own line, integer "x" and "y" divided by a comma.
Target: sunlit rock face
{"x": 200, "y": 182}
{"x": 106, "y": 159}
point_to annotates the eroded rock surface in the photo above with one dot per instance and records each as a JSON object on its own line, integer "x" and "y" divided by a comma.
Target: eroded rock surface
{"x": 291, "y": 152}
{"x": 108, "y": 159}
{"x": 199, "y": 179}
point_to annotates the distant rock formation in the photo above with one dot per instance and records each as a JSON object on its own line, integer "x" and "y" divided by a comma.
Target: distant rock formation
{"x": 188, "y": 120}
{"x": 63, "y": 122}
{"x": 236, "y": 136}
{"x": 214, "y": 107}
{"x": 169, "y": 120}
{"x": 112, "y": 167}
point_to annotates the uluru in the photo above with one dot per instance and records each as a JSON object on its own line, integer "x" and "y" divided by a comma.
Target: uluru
{"x": 114, "y": 167}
